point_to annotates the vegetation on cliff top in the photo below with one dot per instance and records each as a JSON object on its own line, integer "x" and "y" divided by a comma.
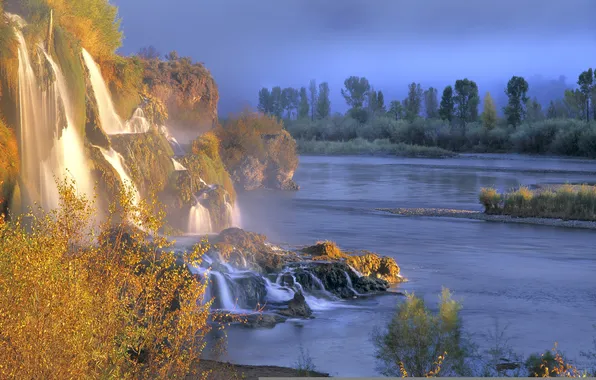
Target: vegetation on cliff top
{"x": 186, "y": 88}
{"x": 566, "y": 202}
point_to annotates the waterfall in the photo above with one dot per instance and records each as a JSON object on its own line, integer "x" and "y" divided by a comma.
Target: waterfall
{"x": 71, "y": 144}
{"x": 178, "y": 150}
{"x": 110, "y": 121}
{"x": 199, "y": 220}
{"x": 117, "y": 162}
{"x": 350, "y": 285}
{"x": 224, "y": 293}
{"x": 138, "y": 123}
{"x": 178, "y": 166}
{"x": 49, "y": 142}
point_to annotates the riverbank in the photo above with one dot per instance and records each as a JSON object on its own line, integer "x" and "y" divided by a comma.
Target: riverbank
{"x": 229, "y": 371}
{"x": 478, "y": 215}
{"x": 364, "y": 147}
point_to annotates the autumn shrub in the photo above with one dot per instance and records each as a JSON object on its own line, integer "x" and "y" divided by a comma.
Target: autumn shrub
{"x": 419, "y": 343}
{"x": 84, "y": 301}
{"x": 9, "y": 165}
{"x": 204, "y": 163}
{"x": 490, "y": 199}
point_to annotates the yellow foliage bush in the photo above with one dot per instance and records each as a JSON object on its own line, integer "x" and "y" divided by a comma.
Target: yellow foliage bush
{"x": 9, "y": 163}
{"x": 82, "y": 299}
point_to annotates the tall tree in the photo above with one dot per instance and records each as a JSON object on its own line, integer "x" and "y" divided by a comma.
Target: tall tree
{"x": 396, "y": 110}
{"x": 586, "y": 84}
{"x": 447, "y": 109}
{"x": 286, "y": 101}
{"x": 313, "y": 98}
{"x": 413, "y": 102}
{"x": 323, "y": 102}
{"x": 575, "y": 103}
{"x": 372, "y": 101}
{"x": 264, "y": 101}
{"x": 303, "y": 108}
{"x": 431, "y": 103}
{"x": 517, "y": 90}
{"x": 294, "y": 96}
{"x": 551, "y": 112}
{"x": 489, "y": 114}
{"x": 149, "y": 53}
{"x": 355, "y": 91}
{"x": 534, "y": 110}
{"x": 381, "y": 103}
{"x": 466, "y": 100}
{"x": 276, "y": 102}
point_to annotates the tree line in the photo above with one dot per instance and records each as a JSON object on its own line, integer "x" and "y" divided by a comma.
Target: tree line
{"x": 459, "y": 104}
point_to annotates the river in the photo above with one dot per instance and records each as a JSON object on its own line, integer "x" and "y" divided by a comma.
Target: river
{"x": 538, "y": 280}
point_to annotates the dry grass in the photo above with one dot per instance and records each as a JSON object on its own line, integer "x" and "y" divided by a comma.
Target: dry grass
{"x": 565, "y": 202}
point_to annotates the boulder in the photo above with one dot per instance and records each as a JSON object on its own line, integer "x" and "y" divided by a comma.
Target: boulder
{"x": 297, "y": 307}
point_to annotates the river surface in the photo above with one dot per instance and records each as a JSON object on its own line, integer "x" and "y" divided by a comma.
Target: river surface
{"x": 540, "y": 281}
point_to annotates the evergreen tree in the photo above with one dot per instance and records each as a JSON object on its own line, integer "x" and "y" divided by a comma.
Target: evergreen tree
{"x": 489, "y": 114}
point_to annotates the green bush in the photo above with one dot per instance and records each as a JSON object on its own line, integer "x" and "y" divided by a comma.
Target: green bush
{"x": 415, "y": 339}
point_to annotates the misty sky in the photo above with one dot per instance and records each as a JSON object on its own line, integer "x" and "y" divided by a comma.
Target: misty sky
{"x": 249, "y": 44}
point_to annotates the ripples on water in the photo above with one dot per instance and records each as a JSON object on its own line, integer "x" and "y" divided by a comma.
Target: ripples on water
{"x": 538, "y": 280}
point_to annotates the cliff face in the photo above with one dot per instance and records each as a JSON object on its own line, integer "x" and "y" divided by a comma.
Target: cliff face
{"x": 188, "y": 91}
{"x": 258, "y": 152}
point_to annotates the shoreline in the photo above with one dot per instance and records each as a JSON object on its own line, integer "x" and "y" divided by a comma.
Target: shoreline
{"x": 229, "y": 371}
{"x": 479, "y": 215}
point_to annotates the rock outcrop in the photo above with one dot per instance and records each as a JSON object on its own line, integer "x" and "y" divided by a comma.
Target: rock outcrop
{"x": 250, "y": 251}
{"x": 297, "y": 307}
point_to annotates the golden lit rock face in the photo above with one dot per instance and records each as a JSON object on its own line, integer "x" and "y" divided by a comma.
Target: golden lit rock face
{"x": 367, "y": 263}
{"x": 370, "y": 264}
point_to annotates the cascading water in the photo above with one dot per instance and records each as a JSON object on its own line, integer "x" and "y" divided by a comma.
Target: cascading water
{"x": 50, "y": 145}
{"x": 110, "y": 121}
{"x": 117, "y": 162}
{"x": 199, "y": 220}
{"x": 224, "y": 293}
{"x": 178, "y": 166}
{"x": 138, "y": 123}
{"x": 178, "y": 150}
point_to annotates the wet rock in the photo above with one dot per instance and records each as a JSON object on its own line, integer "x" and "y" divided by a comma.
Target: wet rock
{"x": 297, "y": 307}
{"x": 248, "y": 250}
{"x": 251, "y": 289}
{"x": 252, "y": 320}
{"x": 367, "y": 284}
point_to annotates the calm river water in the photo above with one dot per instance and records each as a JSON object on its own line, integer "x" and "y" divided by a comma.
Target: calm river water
{"x": 539, "y": 281}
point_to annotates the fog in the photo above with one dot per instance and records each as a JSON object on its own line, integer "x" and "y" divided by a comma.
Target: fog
{"x": 262, "y": 43}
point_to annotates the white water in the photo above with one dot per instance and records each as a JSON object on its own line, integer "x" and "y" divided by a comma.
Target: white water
{"x": 199, "y": 220}
{"x": 109, "y": 119}
{"x": 51, "y": 148}
{"x": 276, "y": 293}
{"x": 350, "y": 285}
{"x": 178, "y": 166}
{"x": 224, "y": 293}
{"x": 138, "y": 123}
{"x": 72, "y": 152}
{"x": 117, "y": 162}
{"x": 178, "y": 150}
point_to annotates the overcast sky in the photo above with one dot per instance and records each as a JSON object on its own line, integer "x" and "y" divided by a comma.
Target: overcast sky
{"x": 249, "y": 44}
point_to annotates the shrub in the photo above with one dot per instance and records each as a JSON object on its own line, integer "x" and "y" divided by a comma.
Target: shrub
{"x": 9, "y": 165}
{"x": 490, "y": 199}
{"x": 415, "y": 338}
{"x": 76, "y": 302}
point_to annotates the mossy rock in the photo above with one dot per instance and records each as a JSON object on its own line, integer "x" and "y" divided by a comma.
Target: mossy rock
{"x": 325, "y": 250}
{"x": 148, "y": 157}
{"x": 371, "y": 264}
